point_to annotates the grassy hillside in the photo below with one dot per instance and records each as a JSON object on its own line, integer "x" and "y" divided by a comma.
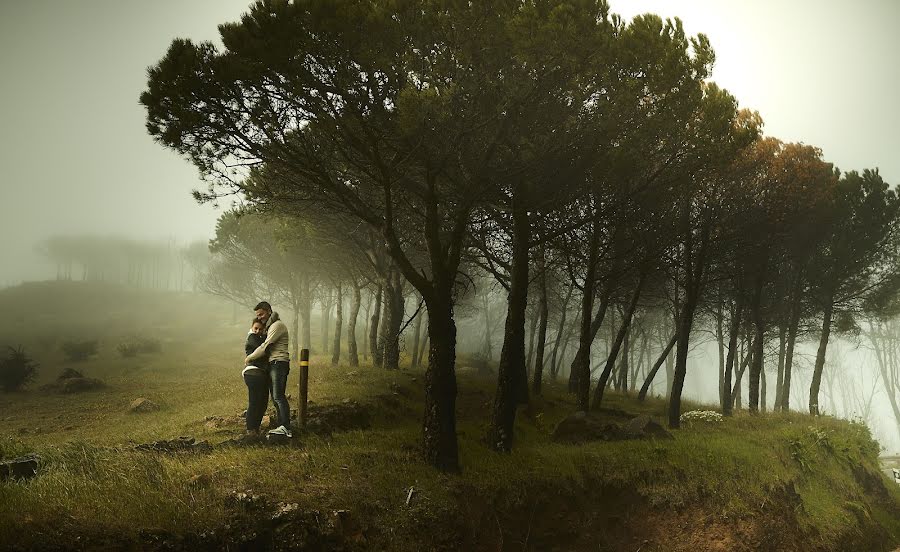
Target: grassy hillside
{"x": 771, "y": 482}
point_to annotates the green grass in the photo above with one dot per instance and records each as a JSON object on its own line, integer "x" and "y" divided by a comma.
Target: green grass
{"x": 735, "y": 478}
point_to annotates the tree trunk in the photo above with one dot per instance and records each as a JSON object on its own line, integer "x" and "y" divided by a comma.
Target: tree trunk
{"x": 338, "y": 326}
{"x": 425, "y": 341}
{"x": 820, "y": 358}
{"x": 693, "y": 284}
{"x": 758, "y": 344}
{"x": 351, "y": 326}
{"x": 736, "y": 390}
{"x": 392, "y": 320}
{"x": 439, "y": 426}
{"x": 642, "y": 395}
{"x": 782, "y": 342}
{"x": 295, "y": 331}
{"x": 617, "y": 344}
{"x": 625, "y": 362}
{"x": 720, "y": 340}
{"x": 374, "y": 349}
{"x": 554, "y": 368}
{"x": 762, "y": 388}
{"x": 580, "y": 369}
{"x": 733, "y": 331}
{"x": 789, "y": 358}
{"x": 529, "y": 358}
{"x": 542, "y": 328}
{"x": 643, "y": 357}
{"x": 326, "y": 321}
{"x": 305, "y": 314}
{"x": 417, "y": 334}
{"x": 511, "y": 370}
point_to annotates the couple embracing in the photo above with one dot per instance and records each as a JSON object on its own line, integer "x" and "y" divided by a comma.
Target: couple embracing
{"x": 267, "y": 368}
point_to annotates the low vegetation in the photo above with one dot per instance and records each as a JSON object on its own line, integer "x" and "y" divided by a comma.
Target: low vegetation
{"x": 777, "y": 481}
{"x": 16, "y": 370}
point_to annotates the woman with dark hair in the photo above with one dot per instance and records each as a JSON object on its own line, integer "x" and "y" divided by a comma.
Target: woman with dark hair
{"x": 256, "y": 376}
{"x": 276, "y": 346}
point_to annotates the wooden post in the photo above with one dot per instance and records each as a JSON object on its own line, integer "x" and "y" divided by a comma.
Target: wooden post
{"x": 304, "y": 385}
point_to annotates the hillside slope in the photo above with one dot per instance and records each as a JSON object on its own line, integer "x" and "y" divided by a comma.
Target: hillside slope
{"x": 784, "y": 482}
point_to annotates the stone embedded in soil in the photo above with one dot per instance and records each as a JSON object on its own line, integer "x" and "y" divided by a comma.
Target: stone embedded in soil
{"x": 24, "y": 467}
{"x": 582, "y": 427}
{"x": 643, "y": 427}
{"x": 141, "y": 405}
{"x": 69, "y": 373}
{"x": 179, "y": 445}
{"x": 77, "y": 385}
{"x": 72, "y": 381}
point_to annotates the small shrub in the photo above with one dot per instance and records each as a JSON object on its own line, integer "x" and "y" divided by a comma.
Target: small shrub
{"x": 127, "y": 350}
{"x": 701, "y": 417}
{"x": 16, "y": 370}
{"x": 77, "y": 351}
{"x": 139, "y": 345}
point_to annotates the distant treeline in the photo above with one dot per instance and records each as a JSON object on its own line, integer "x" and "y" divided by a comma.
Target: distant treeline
{"x": 143, "y": 264}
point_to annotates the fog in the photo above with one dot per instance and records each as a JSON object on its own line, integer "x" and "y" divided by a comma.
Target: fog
{"x": 77, "y": 160}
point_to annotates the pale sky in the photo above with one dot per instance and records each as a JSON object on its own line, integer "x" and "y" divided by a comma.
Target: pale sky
{"x": 75, "y": 156}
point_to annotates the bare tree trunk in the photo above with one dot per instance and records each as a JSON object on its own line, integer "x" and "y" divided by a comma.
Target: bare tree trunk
{"x": 643, "y": 353}
{"x": 542, "y": 327}
{"x": 305, "y": 314}
{"x": 414, "y": 362}
{"x": 758, "y": 344}
{"x": 736, "y": 390}
{"x": 720, "y": 340}
{"x": 820, "y": 358}
{"x": 733, "y": 331}
{"x": 580, "y": 369}
{"x": 782, "y": 342}
{"x": 392, "y": 320}
{"x": 511, "y": 380}
{"x": 425, "y": 340}
{"x": 338, "y": 323}
{"x": 554, "y": 367}
{"x": 642, "y": 395}
{"x": 295, "y": 330}
{"x": 794, "y": 323}
{"x": 326, "y": 302}
{"x": 351, "y": 326}
{"x": 762, "y": 388}
{"x": 375, "y": 351}
{"x": 439, "y": 425}
{"x": 488, "y": 329}
{"x": 620, "y": 338}
{"x": 529, "y": 358}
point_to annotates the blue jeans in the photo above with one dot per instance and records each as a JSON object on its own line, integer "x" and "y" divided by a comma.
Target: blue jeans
{"x": 257, "y": 397}
{"x": 278, "y": 375}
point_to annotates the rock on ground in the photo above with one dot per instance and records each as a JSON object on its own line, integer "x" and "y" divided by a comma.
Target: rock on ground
{"x": 140, "y": 405}
{"x": 581, "y": 427}
{"x": 181, "y": 444}
{"x": 24, "y": 467}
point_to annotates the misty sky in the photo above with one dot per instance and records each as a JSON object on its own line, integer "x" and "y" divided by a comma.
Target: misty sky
{"x": 76, "y": 159}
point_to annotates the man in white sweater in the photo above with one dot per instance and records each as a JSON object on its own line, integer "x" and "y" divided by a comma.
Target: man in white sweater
{"x": 277, "y": 345}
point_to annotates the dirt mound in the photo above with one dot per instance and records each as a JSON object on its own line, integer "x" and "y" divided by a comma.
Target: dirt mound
{"x": 73, "y": 381}
{"x": 347, "y": 415}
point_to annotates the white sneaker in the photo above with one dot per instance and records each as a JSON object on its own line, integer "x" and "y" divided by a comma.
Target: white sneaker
{"x": 280, "y": 430}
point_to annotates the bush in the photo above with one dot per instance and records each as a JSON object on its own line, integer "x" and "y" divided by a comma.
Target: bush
{"x": 77, "y": 351}
{"x": 139, "y": 345}
{"x": 16, "y": 370}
